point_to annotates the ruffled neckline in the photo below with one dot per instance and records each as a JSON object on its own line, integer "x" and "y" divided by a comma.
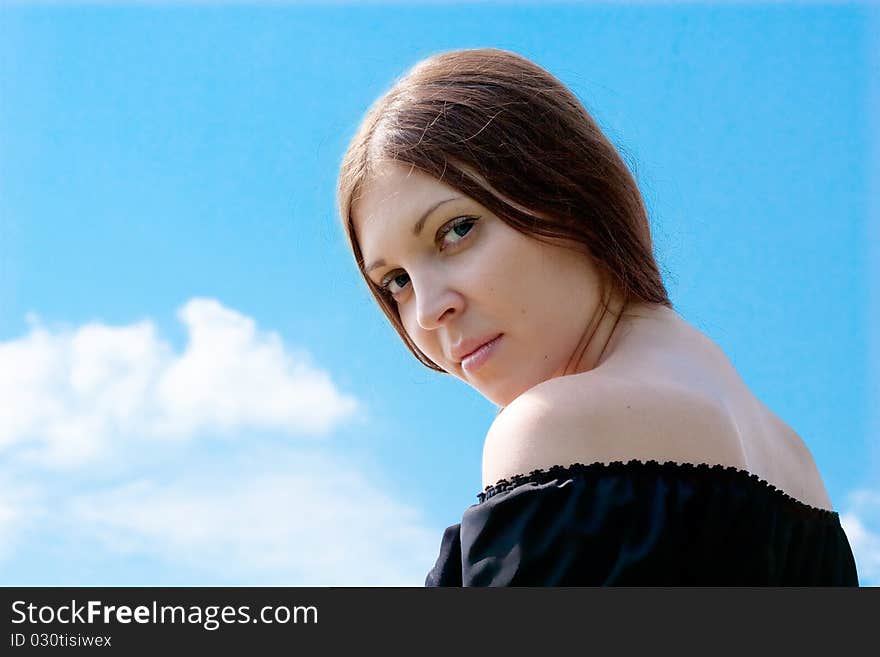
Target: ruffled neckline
{"x": 544, "y": 475}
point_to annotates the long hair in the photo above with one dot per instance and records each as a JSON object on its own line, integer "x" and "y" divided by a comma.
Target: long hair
{"x": 505, "y": 132}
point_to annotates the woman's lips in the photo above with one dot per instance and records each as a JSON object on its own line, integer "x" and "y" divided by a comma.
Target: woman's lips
{"x": 473, "y": 361}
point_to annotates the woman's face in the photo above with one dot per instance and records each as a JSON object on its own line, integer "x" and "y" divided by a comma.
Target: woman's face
{"x": 460, "y": 277}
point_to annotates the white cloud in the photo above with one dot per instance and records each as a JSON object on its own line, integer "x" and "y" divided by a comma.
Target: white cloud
{"x": 312, "y": 522}
{"x": 20, "y": 509}
{"x": 71, "y": 396}
{"x": 230, "y": 376}
{"x": 98, "y": 420}
{"x": 861, "y": 522}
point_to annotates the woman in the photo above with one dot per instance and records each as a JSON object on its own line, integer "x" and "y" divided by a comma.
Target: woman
{"x": 507, "y": 242}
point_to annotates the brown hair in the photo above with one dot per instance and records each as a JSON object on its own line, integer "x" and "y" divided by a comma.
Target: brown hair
{"x": 505, "y": 132}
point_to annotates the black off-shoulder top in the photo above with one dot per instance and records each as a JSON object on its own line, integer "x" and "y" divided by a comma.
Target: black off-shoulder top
{"x": 642, "y": 523}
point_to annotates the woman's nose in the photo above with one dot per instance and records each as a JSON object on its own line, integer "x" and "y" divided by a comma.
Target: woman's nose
{"x": 436, "y": 302}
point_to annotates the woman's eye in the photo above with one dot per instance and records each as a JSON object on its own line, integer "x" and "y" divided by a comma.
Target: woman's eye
{"x": 459, "y": 228}
{"x": 387, "y": 286}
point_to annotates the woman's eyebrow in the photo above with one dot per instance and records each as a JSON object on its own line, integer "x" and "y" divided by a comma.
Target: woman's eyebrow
{"x": 417, "y": 228}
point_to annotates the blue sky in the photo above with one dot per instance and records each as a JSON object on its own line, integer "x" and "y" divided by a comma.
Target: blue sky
{"x": 195, "y": 385}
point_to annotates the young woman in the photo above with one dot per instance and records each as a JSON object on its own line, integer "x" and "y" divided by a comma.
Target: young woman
{"x": 508, "y": 244}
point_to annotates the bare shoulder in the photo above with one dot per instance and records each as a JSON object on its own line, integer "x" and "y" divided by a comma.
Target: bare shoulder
{"x": 791, "y": 466}
{"x": 593, "y": 417}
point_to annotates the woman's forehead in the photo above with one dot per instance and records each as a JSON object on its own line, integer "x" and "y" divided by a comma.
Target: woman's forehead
{"x": 395, "y": 191}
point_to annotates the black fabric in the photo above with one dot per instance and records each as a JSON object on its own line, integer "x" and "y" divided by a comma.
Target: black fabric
{"x": 642, "y": 524}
